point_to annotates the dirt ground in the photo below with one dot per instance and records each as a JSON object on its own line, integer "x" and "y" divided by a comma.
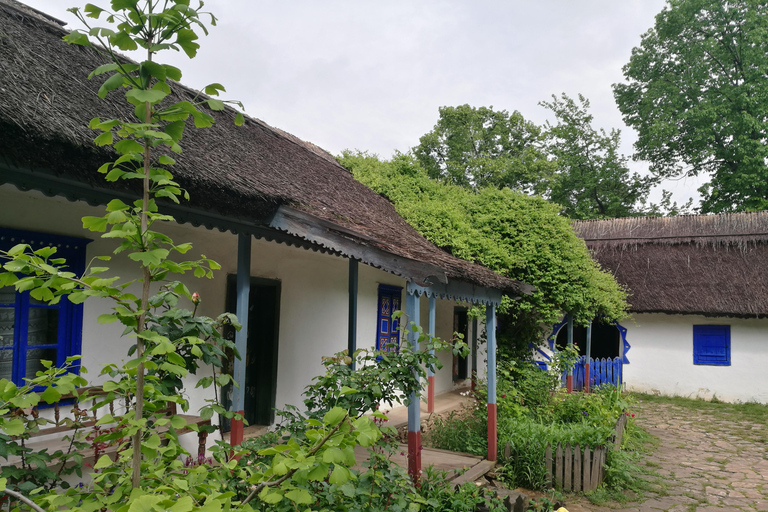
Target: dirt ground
{"x": 709, "y": 457}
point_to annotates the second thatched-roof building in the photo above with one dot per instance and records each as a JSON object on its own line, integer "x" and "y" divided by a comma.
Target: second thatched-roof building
{"x": 699, "y": 300}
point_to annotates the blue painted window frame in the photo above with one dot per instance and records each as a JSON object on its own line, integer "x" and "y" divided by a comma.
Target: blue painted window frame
{"x": 69, "y": 329}
{"x": 712, "y": 345}
{"x": 388, "y": 328}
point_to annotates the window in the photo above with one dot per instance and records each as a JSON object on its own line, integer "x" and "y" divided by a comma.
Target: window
{"x": 32, "y": 331}
{"x": 712, "y": 345}
{"x": 388, "y": 328}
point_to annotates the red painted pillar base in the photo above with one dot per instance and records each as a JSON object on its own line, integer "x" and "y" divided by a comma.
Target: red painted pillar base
{"x": 569, "y": 383}
{"x": 236, "y": 431}
{"x": 492, "y": 434}
{"x": 586, "y": 378}
{"x": 431, "y": 394}
{"x": 414, "y": 456}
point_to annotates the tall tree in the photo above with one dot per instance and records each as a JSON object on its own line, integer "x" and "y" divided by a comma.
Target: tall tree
{"x": 592, "y": 178}
{"x": 697, "y": 94}
{"x": 480, "y": 147}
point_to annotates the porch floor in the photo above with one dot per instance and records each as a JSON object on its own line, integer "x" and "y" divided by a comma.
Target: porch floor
{"x": 474, "y": 466}
{"x": 444, "y": 404}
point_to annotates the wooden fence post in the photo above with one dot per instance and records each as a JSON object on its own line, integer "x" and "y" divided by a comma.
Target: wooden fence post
{"x": 587, "y": 473}
{"x": 568, "y": 468}
{"x": 559, "y": 467}
{"x": 578, "y": 470}
{"x": 548, "y": 462}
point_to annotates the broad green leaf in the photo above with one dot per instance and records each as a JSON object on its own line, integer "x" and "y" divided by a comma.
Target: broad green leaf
{"x": 98, "y": 224}
{"x": 105, "y": 139}
{"x": 175, "y": 130}
{"x": 112, "y": 83}
{"x": 319, "y": 472}
{"x": 186, "y": 40}
{"x": 116, "y": 205}
{"x": 50, "y": 395}
{"x": 124, "y": 41}
{"x": 103, "y": 462}
{"x": 106, "y": 68}
{"x": 300, "y": 496}
{"x": 127, "y": 146}
{"x": 270, "y": 496}
{"x": 154, "y": 69}
{"x": 239, "y": 119}
{"x": 334, "y": 416}
{"x": 78, "y": 38}
{"x": 215, "y": 104}
{"x": 143, "y": 96}
{"x": 106, "y": 318}
{"x": 339, "y": 475}
{"x": 13, "y": 427}
{"x": 213, "y": 89}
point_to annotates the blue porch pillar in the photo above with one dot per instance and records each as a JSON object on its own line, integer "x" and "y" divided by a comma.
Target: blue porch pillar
{"x": 241, "y": 336}
{"x": 352, "y": 327}
{"x": 431, "y": 370}
{"x": 490, "y": 332}
{"x": 412, "y": 309}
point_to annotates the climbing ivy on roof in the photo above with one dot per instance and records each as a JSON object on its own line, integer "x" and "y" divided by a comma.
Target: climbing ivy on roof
{"x": 522, "y": 237}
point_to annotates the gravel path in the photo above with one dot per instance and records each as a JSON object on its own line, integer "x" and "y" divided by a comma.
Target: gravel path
{"x": 707, "y": 462}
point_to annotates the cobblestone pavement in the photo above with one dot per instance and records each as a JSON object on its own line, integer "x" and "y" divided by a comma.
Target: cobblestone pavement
{"x": 705, "y": 463}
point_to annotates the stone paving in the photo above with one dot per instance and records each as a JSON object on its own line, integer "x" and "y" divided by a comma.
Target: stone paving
{"x": 705, "y": 464}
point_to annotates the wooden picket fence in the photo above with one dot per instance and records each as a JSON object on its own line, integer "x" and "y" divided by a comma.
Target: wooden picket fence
{"x": 573, "y": 468}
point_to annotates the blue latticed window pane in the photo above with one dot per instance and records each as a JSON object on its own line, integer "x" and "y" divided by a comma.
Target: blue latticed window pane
{"x": 32, "y": 331}
{"x": 712, "y": 345}
{"x": 388, "y": 328}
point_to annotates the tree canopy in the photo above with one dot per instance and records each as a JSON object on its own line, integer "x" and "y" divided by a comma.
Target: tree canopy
{"x": 592, "y": 179}
{"x": 519, "y": 236}
{"x": 697, "y": 94}
{"x": 478, "y": 147}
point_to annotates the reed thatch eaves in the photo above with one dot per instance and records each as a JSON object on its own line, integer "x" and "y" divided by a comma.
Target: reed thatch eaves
{"x": 243, "y": 172}
{"x": 712, "y": 265}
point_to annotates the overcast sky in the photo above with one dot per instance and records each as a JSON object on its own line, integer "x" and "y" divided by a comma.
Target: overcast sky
{"x": 371, "y": 75}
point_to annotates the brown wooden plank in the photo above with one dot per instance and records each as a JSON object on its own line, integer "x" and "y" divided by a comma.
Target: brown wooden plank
{"x": 577, "y": 469}
{"x": 473, "y": 473}
{"x": 567, "y": 468}
{"x": 596, "y": 465}
{"x": 507, "y": 451}
{"x": 548, "y": 462}
{"x": 586, "y": 459}
{"x": 559, "y": 467}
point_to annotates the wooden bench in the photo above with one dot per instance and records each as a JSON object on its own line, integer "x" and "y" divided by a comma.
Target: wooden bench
{"x": 80, "y": 411}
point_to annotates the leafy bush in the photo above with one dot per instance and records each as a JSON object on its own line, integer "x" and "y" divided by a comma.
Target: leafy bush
{"x": 465, "y": 431}
{"x": 528, "y": 439}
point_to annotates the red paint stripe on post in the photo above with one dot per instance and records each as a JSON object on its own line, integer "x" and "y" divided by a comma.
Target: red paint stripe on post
{"x": 569, "y": 383}
{"x": 236, "y": 431}
{"x": 414, "y": 456}
{"x": 586, "y": 378}
{"x": 431, "y": 394}
{"x": 492, "y": 434}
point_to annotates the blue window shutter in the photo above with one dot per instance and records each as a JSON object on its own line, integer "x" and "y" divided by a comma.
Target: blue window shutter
{"x": 712, "y": 345}
{"x": 387, "y": 331}
{"x": 41, "y": 331}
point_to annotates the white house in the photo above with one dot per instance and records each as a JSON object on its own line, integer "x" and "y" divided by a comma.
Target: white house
{"x": 698, "y": 298}
{"x": 322, "y": 260}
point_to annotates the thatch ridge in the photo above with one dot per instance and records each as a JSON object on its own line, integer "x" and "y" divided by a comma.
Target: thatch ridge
{"x": 239, "y": 172}
{"x": 710, "y": 265}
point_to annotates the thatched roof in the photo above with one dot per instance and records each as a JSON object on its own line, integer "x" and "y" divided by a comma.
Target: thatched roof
{"x": 713, "y": 265}
{"x": 244, "y": 172}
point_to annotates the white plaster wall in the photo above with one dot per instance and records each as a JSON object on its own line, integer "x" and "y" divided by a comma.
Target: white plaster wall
{"x": 314, "y": 300}
{"x": 661, "y": 358}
